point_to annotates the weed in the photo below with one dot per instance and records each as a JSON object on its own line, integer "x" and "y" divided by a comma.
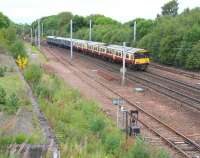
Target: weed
{"x": 21, "y": 138}
{"x": 2, "y": 96}
{"x": 33, "y": 74}
{"x": 97, "y": 124}
{"x": 112, "y": 143}
{"x": 18, "y": 49}
{"x": 13, "y": 100}
{"x": 12, "y": 104}
{"x": 2, "y": 71}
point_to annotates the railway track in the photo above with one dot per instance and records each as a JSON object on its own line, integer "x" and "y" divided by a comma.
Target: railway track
{"x": 181, "y": 72}
{"x": 185, "y": 93}
{"x": 185, "y": 146}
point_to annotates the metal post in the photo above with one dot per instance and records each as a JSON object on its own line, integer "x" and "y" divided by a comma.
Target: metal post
{"x": 90, "y": 32}
{"x": 118, "y": 110}
{"x": 31, "y": 36}
{"x": 35, "y": 37}
{"x": 42, "y": 30}
{"x": 135, "y": 24}
{"x": 124, "y": 64}
{"x": 126, "y": 125}
{"x": 71, "y": 29}
{"x": 23, "y": 31}
{"x": 39, "y": 33}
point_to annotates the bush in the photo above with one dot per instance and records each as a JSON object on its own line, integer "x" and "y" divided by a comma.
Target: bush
{"x": 112, "y": 142}
{"x": 18, "y": 49}
{"x": 2, "y": 71}
{"x": 2, "y": 96}
{"x": 139, "y": 150}
{"x": 97, "y": 124}
{"x": 20, "y": 138}
{"x": 143, "y": 150}
{"x": 5, "y": 141}
{"x": 33, "y": 74}
{"x": 13, "y": 100}
{"x": 43, "y": 90}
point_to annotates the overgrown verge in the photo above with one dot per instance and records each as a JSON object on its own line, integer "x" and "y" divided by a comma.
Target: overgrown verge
{"x": 15, "y": 126}
{"x": 12, "y": 89}
{"x": 81, "y": 127}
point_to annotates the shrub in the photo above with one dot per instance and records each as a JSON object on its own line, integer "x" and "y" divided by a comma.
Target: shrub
{"x": 97, "y": 124}
{"x": 43, "y": 91}
{"x": 2, "y": 71}
{"x": 112, "y": 142}
{"x": 33, "y": 73}
{"x": 5, "y": 141}
{"x": 2, "y": 96}
{"x": 18, "y": 49}
{"x": 20, "y": 138}
{"x": 139, "y": 150}
{"x": 13, "y": 100}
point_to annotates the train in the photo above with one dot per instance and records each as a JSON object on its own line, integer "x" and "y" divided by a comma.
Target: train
{"x": 135, "y": 58}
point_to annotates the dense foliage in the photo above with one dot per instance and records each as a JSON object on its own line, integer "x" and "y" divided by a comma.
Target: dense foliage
{"x": 9, "y": 41}
{"x": 175, "y": 40}
{"x": 172, "y": 39}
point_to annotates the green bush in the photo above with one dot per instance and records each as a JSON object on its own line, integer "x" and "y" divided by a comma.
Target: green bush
{"x": 43, "y": 90}
{"x": 5, "y": 141}
{"x": 18, "y": 49}
{"x": 2, "y": 96}
{"x": 143, "y": 150}
{"x": 21, "y": 138}
{"x": 33, "y": 73}
{"x": 2, "y": 71}
{"x": 112, "y": 142}
{"x": 97, "y": 124}
{"x": 13, "y": 100}
{"x": 139, "y": 150}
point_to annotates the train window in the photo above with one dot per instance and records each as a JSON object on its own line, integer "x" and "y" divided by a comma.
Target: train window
{"x": 127, "y": 56}
{"x": 132, "y": 57}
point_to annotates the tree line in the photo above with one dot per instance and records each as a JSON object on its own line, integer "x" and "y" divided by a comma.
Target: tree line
{"x": 172, "y": 38}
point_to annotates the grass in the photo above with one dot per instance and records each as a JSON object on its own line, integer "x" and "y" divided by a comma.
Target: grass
{"x": 16, "y": 93}
{"x": 81, "y": 127}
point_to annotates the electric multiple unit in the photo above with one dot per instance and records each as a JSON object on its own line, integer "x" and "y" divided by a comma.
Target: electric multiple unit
{"x": 135, "y": 57}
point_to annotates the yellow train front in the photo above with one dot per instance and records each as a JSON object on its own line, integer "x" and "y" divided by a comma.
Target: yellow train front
{"x": 136, "y": 58}
{"x": 141, "y": 59}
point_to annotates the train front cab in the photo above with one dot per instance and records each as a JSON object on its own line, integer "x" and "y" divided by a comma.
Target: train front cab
{"x": 141, "y": 60}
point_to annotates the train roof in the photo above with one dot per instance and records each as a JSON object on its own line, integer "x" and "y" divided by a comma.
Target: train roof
{"x": 96, "y": 43}
{"x": 127, "y": 49}
{"x": 103, "y": 45}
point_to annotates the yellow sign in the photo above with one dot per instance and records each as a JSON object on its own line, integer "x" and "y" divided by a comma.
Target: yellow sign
{"x": 21, "y": 62}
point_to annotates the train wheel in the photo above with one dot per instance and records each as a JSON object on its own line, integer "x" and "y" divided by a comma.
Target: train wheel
{"x": 143, "y": 67}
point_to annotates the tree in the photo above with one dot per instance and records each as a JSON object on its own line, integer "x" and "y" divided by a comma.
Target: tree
{"x": 193, "y": 60}
{"x": 170, "y": 8}
{"x": 4, "y": 21}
